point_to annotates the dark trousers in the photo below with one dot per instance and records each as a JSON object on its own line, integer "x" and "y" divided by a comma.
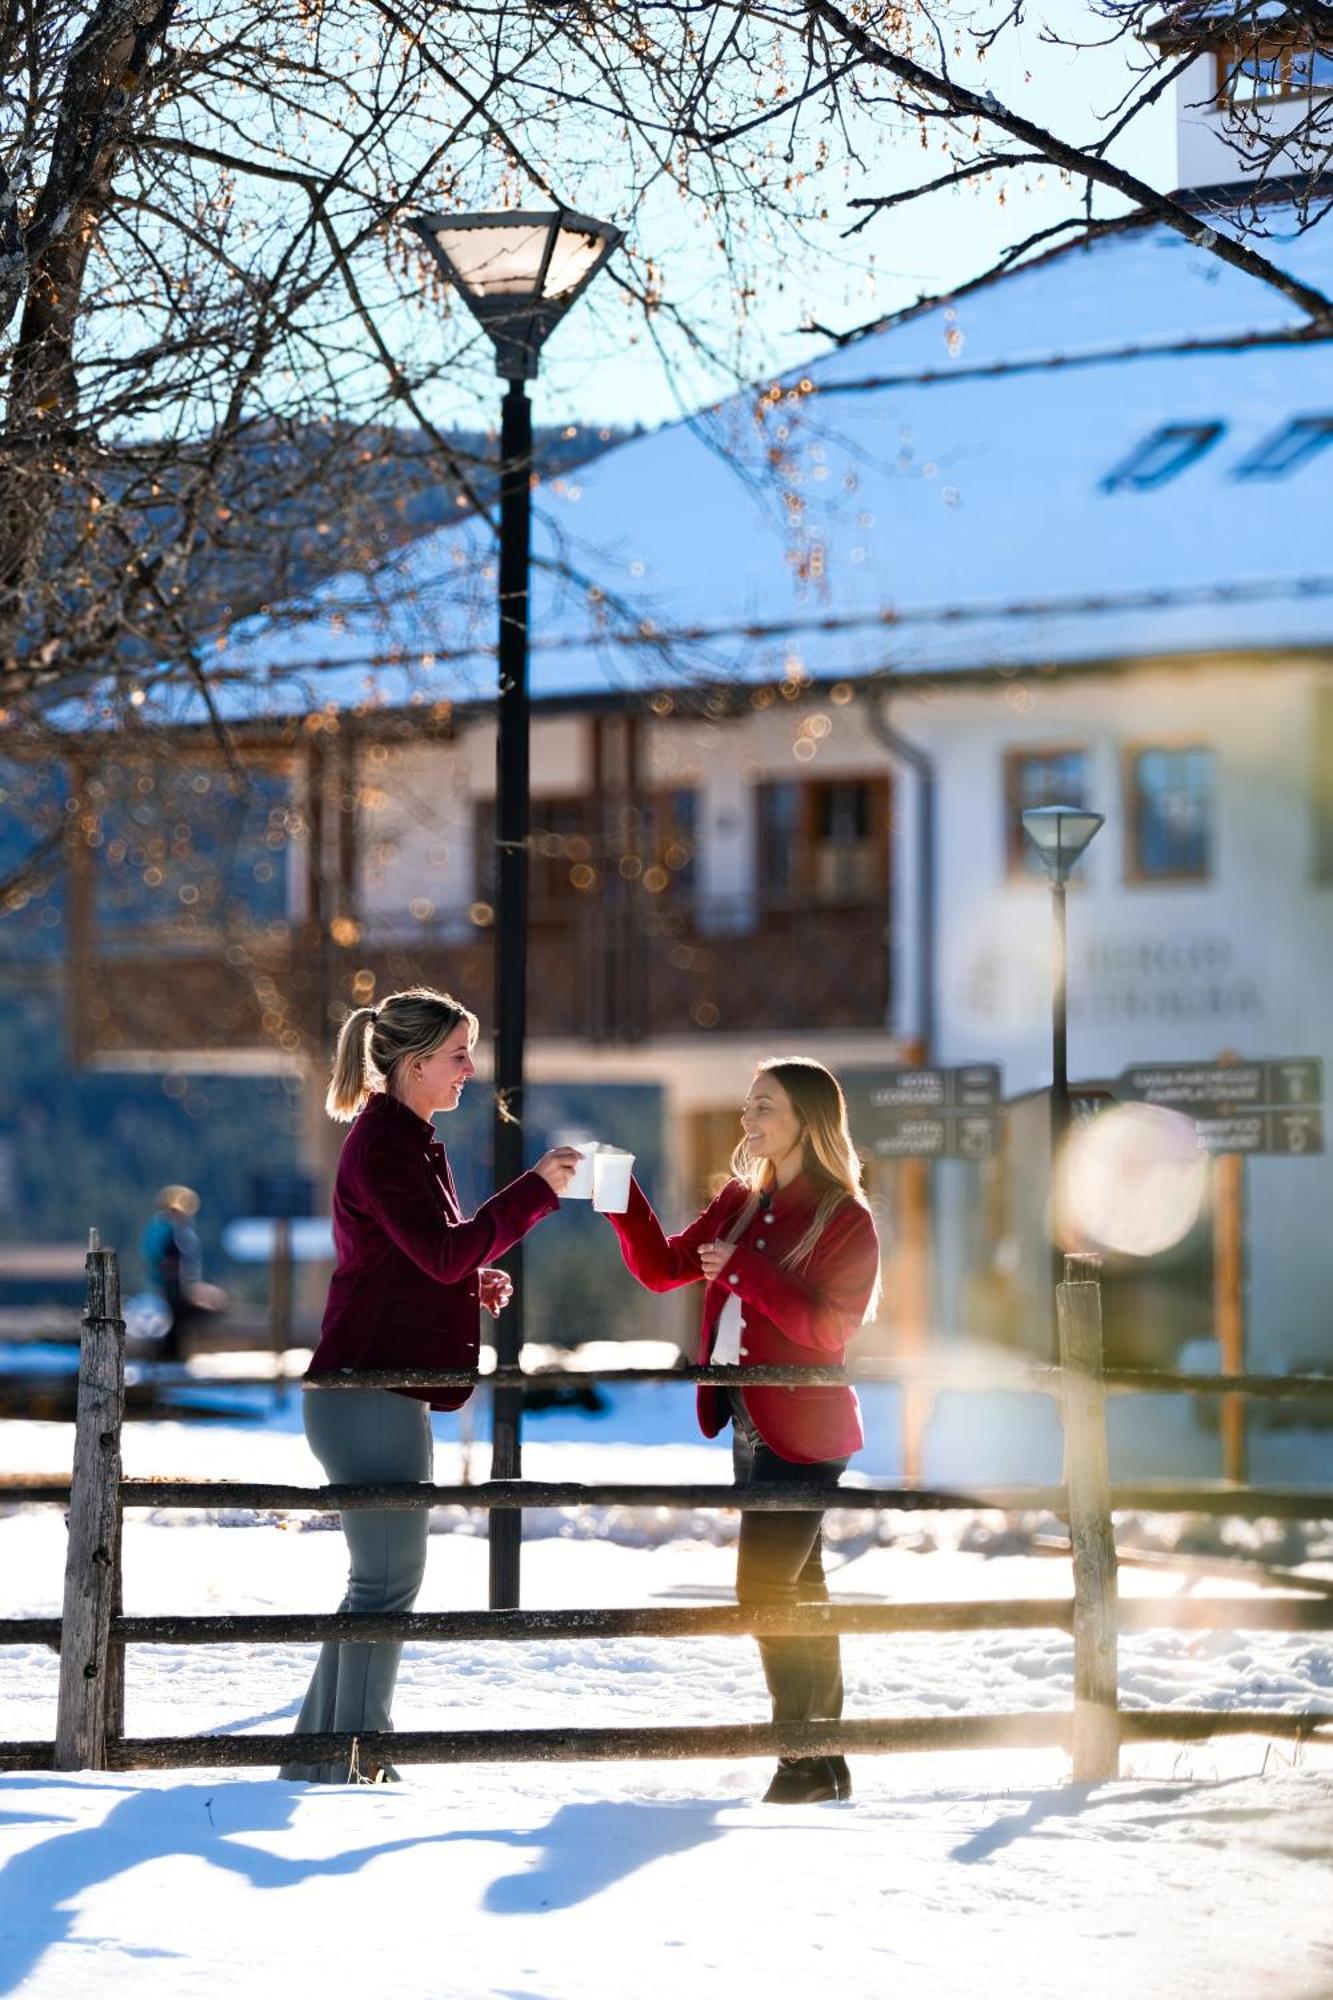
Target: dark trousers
{"x": 781, "y": 1561}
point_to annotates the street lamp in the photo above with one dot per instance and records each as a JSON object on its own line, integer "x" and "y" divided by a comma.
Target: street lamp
{"x": 1060, "y": 834}
{"x": 518, "y": 273}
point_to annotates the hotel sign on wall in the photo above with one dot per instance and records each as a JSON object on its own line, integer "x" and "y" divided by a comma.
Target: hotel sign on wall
{"x": 926, "y": 1114}
{"x": 1245, "y": 1107}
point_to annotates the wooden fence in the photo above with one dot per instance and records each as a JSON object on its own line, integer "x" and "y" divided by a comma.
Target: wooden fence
{"x": 92, "y": 1632}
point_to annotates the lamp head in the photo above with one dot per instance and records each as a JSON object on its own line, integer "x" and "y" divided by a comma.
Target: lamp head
{"x": 1060, "y": 834}
{"x": 519, "y": 271}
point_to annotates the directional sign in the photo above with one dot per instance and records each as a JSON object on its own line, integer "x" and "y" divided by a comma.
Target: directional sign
{"x": 927, "y": 1114}
{"x": 1247, "y": 1107}
{"x": 282, "y": 1195}
{"x": 1290, "y": 1133}
{"x": 1296, "y": 1080}
{"x": 972, "y": 1086}
{"x": 1207, "y": 1087}
{"x": 914, "y": 1135}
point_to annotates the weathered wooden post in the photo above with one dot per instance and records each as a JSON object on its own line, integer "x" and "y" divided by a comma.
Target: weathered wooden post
{"x": 1229, "y": 1301}
{"x": 92, "y": 1562}
{"x": 1096, "y": 1747}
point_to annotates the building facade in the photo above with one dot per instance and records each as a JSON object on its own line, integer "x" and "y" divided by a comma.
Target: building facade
{"x": 798, "y": 666}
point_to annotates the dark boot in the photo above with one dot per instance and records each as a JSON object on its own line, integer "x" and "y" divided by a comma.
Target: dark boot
{"x": 809, "y": 1781}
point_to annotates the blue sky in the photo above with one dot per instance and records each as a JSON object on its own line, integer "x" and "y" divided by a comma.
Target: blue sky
{"x": 601, "y": 367}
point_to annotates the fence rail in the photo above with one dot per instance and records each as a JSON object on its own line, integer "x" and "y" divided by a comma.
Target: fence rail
{"x": 93, "y": 1631}
{"x": 936, "y": 1371}
{"x": 942, "y": 1371}
{"x": 211, "y": 1495}
{"x": 1002, "y": 1614}
{"x": 1025, "y": 1729}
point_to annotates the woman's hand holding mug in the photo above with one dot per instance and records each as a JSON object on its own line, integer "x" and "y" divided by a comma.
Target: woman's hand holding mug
{"x": 495, "y": 1288}
{"x": 558, "y": 1167}
{"x": 713, "y": 1258}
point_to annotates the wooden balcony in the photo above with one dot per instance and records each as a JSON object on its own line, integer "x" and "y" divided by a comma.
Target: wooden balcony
{"x": 624, "y": 968}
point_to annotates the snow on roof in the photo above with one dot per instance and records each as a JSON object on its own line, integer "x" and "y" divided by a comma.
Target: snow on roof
{"x": 1205, "y": 21}
{"x": 929, "y": 497}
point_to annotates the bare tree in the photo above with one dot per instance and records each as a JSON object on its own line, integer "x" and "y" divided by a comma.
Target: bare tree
{"x": 227, "y": 367}
{"x": 214, "y": 316}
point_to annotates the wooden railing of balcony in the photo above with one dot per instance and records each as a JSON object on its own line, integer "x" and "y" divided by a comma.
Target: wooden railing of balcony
{"x": 617, "y": 970}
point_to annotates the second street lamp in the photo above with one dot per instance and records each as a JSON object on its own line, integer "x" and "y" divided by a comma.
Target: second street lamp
{"x": 1060, "y": 835}
{"x": 519, "y": 273}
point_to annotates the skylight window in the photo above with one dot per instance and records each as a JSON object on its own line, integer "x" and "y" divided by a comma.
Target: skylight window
{"x": 1162, "y": 455}
{"x": 1287, "y": 449}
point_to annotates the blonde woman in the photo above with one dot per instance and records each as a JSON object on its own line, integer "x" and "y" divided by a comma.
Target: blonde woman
{"x": 790, "y": 1259}
{"x": 411, "y": 1273}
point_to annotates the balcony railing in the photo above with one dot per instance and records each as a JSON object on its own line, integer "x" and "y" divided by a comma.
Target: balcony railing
{"x": 606, "y": 969}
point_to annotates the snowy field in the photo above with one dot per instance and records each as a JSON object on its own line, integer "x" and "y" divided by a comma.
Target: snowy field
{"x": 1203, "y": 1871}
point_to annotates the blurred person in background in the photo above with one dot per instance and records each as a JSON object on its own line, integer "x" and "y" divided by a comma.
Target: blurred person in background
{"x": 169, "y": 1248}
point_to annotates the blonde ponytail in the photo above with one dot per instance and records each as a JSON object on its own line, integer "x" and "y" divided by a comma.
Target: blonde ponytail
{"x": 349, "y": 1086}
{"x": 405, "y": 1027}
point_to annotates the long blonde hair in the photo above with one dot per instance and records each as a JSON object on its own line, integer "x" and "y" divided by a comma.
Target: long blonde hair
{"x": 372, "y": 1041}
{"x": 827, "y": 1156}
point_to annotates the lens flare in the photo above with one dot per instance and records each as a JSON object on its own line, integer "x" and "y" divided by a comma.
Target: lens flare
{"x": 1132, "y": 1181}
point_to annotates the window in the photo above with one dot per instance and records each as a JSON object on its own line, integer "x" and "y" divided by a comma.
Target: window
{"x": 1171, "y": 814}
{"x": 560, "y": 864}
{"x": 1038, "y": 778}
{"x": 824, "y": 840}
{"x": 670, "y": 841}
{"x": 566, "y": 858}
{"x": 1287, "y": 449}
{"x": 1162, "y": 455}
{"x": 1262, "y": 71}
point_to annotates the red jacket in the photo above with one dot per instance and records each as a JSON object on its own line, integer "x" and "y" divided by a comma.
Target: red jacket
{"x": 791, "y": 1318}
{"x": 404, "y": 1292}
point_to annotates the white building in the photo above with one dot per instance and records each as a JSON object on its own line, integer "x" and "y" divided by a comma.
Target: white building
{"x": 1065, "y": 537}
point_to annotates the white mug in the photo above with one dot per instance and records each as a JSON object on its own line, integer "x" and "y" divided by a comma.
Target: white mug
{"x": 611, "y": 1171}
{"x": 580, "y": 1184}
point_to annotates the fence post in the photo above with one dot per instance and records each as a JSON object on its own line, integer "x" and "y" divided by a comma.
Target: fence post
{"x": 1096, "y": 1747}
{"x": 92, "y": 1560}
{"x": 1229, "y": 1301}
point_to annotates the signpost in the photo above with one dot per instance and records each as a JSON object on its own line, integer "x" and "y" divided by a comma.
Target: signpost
{"x": 282, "y": 1196}
{"x": 1242, "y": 1107}
{"x": 912, "y": 1114}
{"x": 927, "y": 1114}
{"x": 907, "y": 1135}
{"x": 1240, "y": 1110}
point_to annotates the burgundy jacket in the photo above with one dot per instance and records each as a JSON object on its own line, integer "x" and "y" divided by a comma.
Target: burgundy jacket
{"x": 404, "y": 1292}
{"x": 790, "y": 1318}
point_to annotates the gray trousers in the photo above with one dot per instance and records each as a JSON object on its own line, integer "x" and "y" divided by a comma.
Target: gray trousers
{"x": 362, "y": 1436}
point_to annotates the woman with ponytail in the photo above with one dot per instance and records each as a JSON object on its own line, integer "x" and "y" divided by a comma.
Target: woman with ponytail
{"x": 790, "y": 1260}
{"x": 412, "y": 1272}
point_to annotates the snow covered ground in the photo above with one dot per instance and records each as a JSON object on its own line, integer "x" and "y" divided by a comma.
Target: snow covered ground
{"x": 1203, "y": 1871}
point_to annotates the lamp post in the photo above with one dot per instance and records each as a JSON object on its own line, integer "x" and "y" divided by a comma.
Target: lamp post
{"x": 1060, "y": 835}
{"x": 518, "y": 273}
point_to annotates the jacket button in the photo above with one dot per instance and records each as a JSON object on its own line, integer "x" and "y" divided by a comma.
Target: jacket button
{"x": 769, "y": 1216}
{"x": 745, "y": 1350}
{"x": 733, "y": 1279}
{"x": 759, "y": 1242}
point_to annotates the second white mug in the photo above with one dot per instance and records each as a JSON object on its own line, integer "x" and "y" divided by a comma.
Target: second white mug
{"x": 611, "y": 1171}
